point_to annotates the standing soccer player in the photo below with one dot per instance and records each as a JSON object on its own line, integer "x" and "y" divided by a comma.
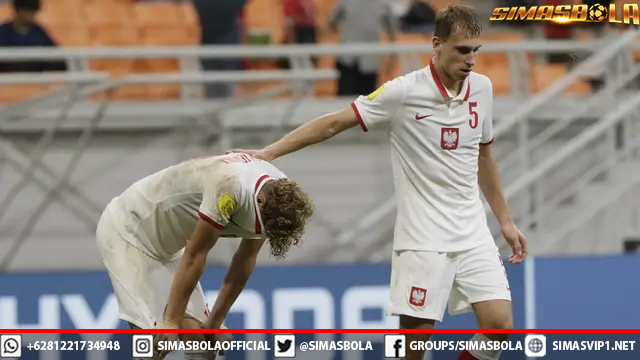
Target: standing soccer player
{"x": 439, "y": 121}
{"x": 155, "y": 237}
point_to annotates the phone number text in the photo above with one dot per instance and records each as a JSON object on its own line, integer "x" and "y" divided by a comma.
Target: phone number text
{"x": 74, "y": 345}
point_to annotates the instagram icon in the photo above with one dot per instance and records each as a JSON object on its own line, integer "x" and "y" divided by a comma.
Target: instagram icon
{"x": 142, "y": 346}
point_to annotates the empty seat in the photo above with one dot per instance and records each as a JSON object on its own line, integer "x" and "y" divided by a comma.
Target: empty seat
{"x": 265, "y": 15}
{"x": 163, "y": 15}
{"x": 70, "y": 35}
{"x": 6, "y": 12}
{"x": 190, "y": 19}
{"x": 171, "y": 36}
{"x": 324, "y": 8}
{"x": 188, "y": 13}
{"x": 174, "y": 36}
{"x": 496, "y": 58}
{"x": 78, "y": 4}
{"x": 544, "y": 75}
{"x": 499, "y": 76}
{"x": 108, "y": 13}
{"x": 61, "y": 14}
{"x": 116, "y": 36}
{"x": 12, "y": 93}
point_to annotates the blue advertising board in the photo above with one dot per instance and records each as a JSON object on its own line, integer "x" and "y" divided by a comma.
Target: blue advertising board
{"x": 569, "y": 293}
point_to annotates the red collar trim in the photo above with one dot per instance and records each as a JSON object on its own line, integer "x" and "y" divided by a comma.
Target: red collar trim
{"x": 258, "y": 219}
{"x": 439, "y": 84}
{"x": 466, "y": 96}
{"x": 442, "y": 88}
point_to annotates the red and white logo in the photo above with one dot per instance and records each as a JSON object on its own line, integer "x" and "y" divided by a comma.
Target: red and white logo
{"x": 418, "y": 296}
{"x": 449, "y": 138}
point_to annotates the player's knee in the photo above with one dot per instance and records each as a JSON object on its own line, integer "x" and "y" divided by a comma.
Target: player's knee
{"x": 199, "y": 355}
{"x": 500, "y": 323}
{"x": 410, "y": 322}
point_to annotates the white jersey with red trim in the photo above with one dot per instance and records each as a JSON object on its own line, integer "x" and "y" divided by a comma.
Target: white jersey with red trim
{"x": 435, "y": 139}
{"x": 159, "y": 212}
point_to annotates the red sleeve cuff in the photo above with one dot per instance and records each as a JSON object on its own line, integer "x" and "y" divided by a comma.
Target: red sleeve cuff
{"x": 210, "y": 221}
{"x": 355, "y": 109}
{"x": 487, "y": 143}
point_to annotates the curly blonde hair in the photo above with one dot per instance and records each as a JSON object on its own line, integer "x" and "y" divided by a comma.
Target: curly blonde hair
{"x": 285, "y": 214}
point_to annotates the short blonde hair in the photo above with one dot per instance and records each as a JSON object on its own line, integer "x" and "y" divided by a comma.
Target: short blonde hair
{"x": 457, "y": 18}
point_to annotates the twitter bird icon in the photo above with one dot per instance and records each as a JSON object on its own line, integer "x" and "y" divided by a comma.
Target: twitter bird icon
{"x": 285, "y": 346}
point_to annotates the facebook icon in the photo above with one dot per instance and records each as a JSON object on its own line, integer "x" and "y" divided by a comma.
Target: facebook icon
{"x": 395, "y": 346}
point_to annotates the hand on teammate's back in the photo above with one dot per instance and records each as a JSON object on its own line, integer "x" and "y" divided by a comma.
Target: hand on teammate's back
{"x": 258, "y": 154}
{"x": 517, "y": 241}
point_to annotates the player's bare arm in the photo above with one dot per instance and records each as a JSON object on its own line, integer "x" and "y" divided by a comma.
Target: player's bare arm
{"x": 188, "y": 274}
{"x": 317, "y": 130}
{"x": 189, "y": 271}
{"x": 242, "y": 266}
{"x": 489, "y": 181}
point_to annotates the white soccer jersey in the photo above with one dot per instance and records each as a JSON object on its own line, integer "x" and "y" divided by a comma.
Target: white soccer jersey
{"x": 159, "y": 212}
{"x": 435, "y": 139}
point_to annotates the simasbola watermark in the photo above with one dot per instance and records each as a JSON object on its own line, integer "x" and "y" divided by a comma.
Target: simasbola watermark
{"x": 625, "y": 14}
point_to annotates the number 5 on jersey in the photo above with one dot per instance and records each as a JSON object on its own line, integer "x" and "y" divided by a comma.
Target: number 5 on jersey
{"x": 473, "y": 122}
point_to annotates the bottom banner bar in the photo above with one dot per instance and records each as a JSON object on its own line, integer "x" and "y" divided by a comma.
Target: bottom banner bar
{"x": 321, "y": 346}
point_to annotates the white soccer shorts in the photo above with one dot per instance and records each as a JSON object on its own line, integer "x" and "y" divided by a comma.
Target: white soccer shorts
{"x": 140, "y": 282}
{"x": 423, "y": 283}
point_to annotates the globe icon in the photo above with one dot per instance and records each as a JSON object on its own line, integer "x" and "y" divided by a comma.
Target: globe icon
{"x": 598, "y": 13}
{"x": 535, "y": 345}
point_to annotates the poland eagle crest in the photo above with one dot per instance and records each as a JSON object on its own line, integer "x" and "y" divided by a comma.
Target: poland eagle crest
{"x": 417, "y": 296}
{"x": 449, "y": 138}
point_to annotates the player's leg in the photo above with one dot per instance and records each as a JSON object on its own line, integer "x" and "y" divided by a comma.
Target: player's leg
{"x": 420, "y": 285}
{"x": 482, "y": 286}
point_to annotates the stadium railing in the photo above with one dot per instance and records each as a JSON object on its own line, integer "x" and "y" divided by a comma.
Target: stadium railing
{"x": 297, "y": 52}
{"x": 300, "y": 55}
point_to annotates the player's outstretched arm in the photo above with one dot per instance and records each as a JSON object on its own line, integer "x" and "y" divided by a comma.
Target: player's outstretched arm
{"x": 489, "y": 181}
{"x": 190, "y": 269}
{"x": 242, "y": 265}
{"x": 313, "y": 132}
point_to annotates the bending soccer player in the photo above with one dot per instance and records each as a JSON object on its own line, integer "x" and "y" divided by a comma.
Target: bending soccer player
{"x": 439, "y": 121}
{"x": 154, "y": 239}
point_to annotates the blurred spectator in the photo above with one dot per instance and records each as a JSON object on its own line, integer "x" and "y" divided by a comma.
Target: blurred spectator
{"x": 221, "y": 23}
{"x": 300, "y": 21}
{"x": 359, "y": 21}
{"x": 23, "y": 30}
{"x": 420, "y": 18}
{"x": 300, "y": 24}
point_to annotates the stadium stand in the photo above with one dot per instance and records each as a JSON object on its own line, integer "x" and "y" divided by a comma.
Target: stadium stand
{"x": 73, "y": 23}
